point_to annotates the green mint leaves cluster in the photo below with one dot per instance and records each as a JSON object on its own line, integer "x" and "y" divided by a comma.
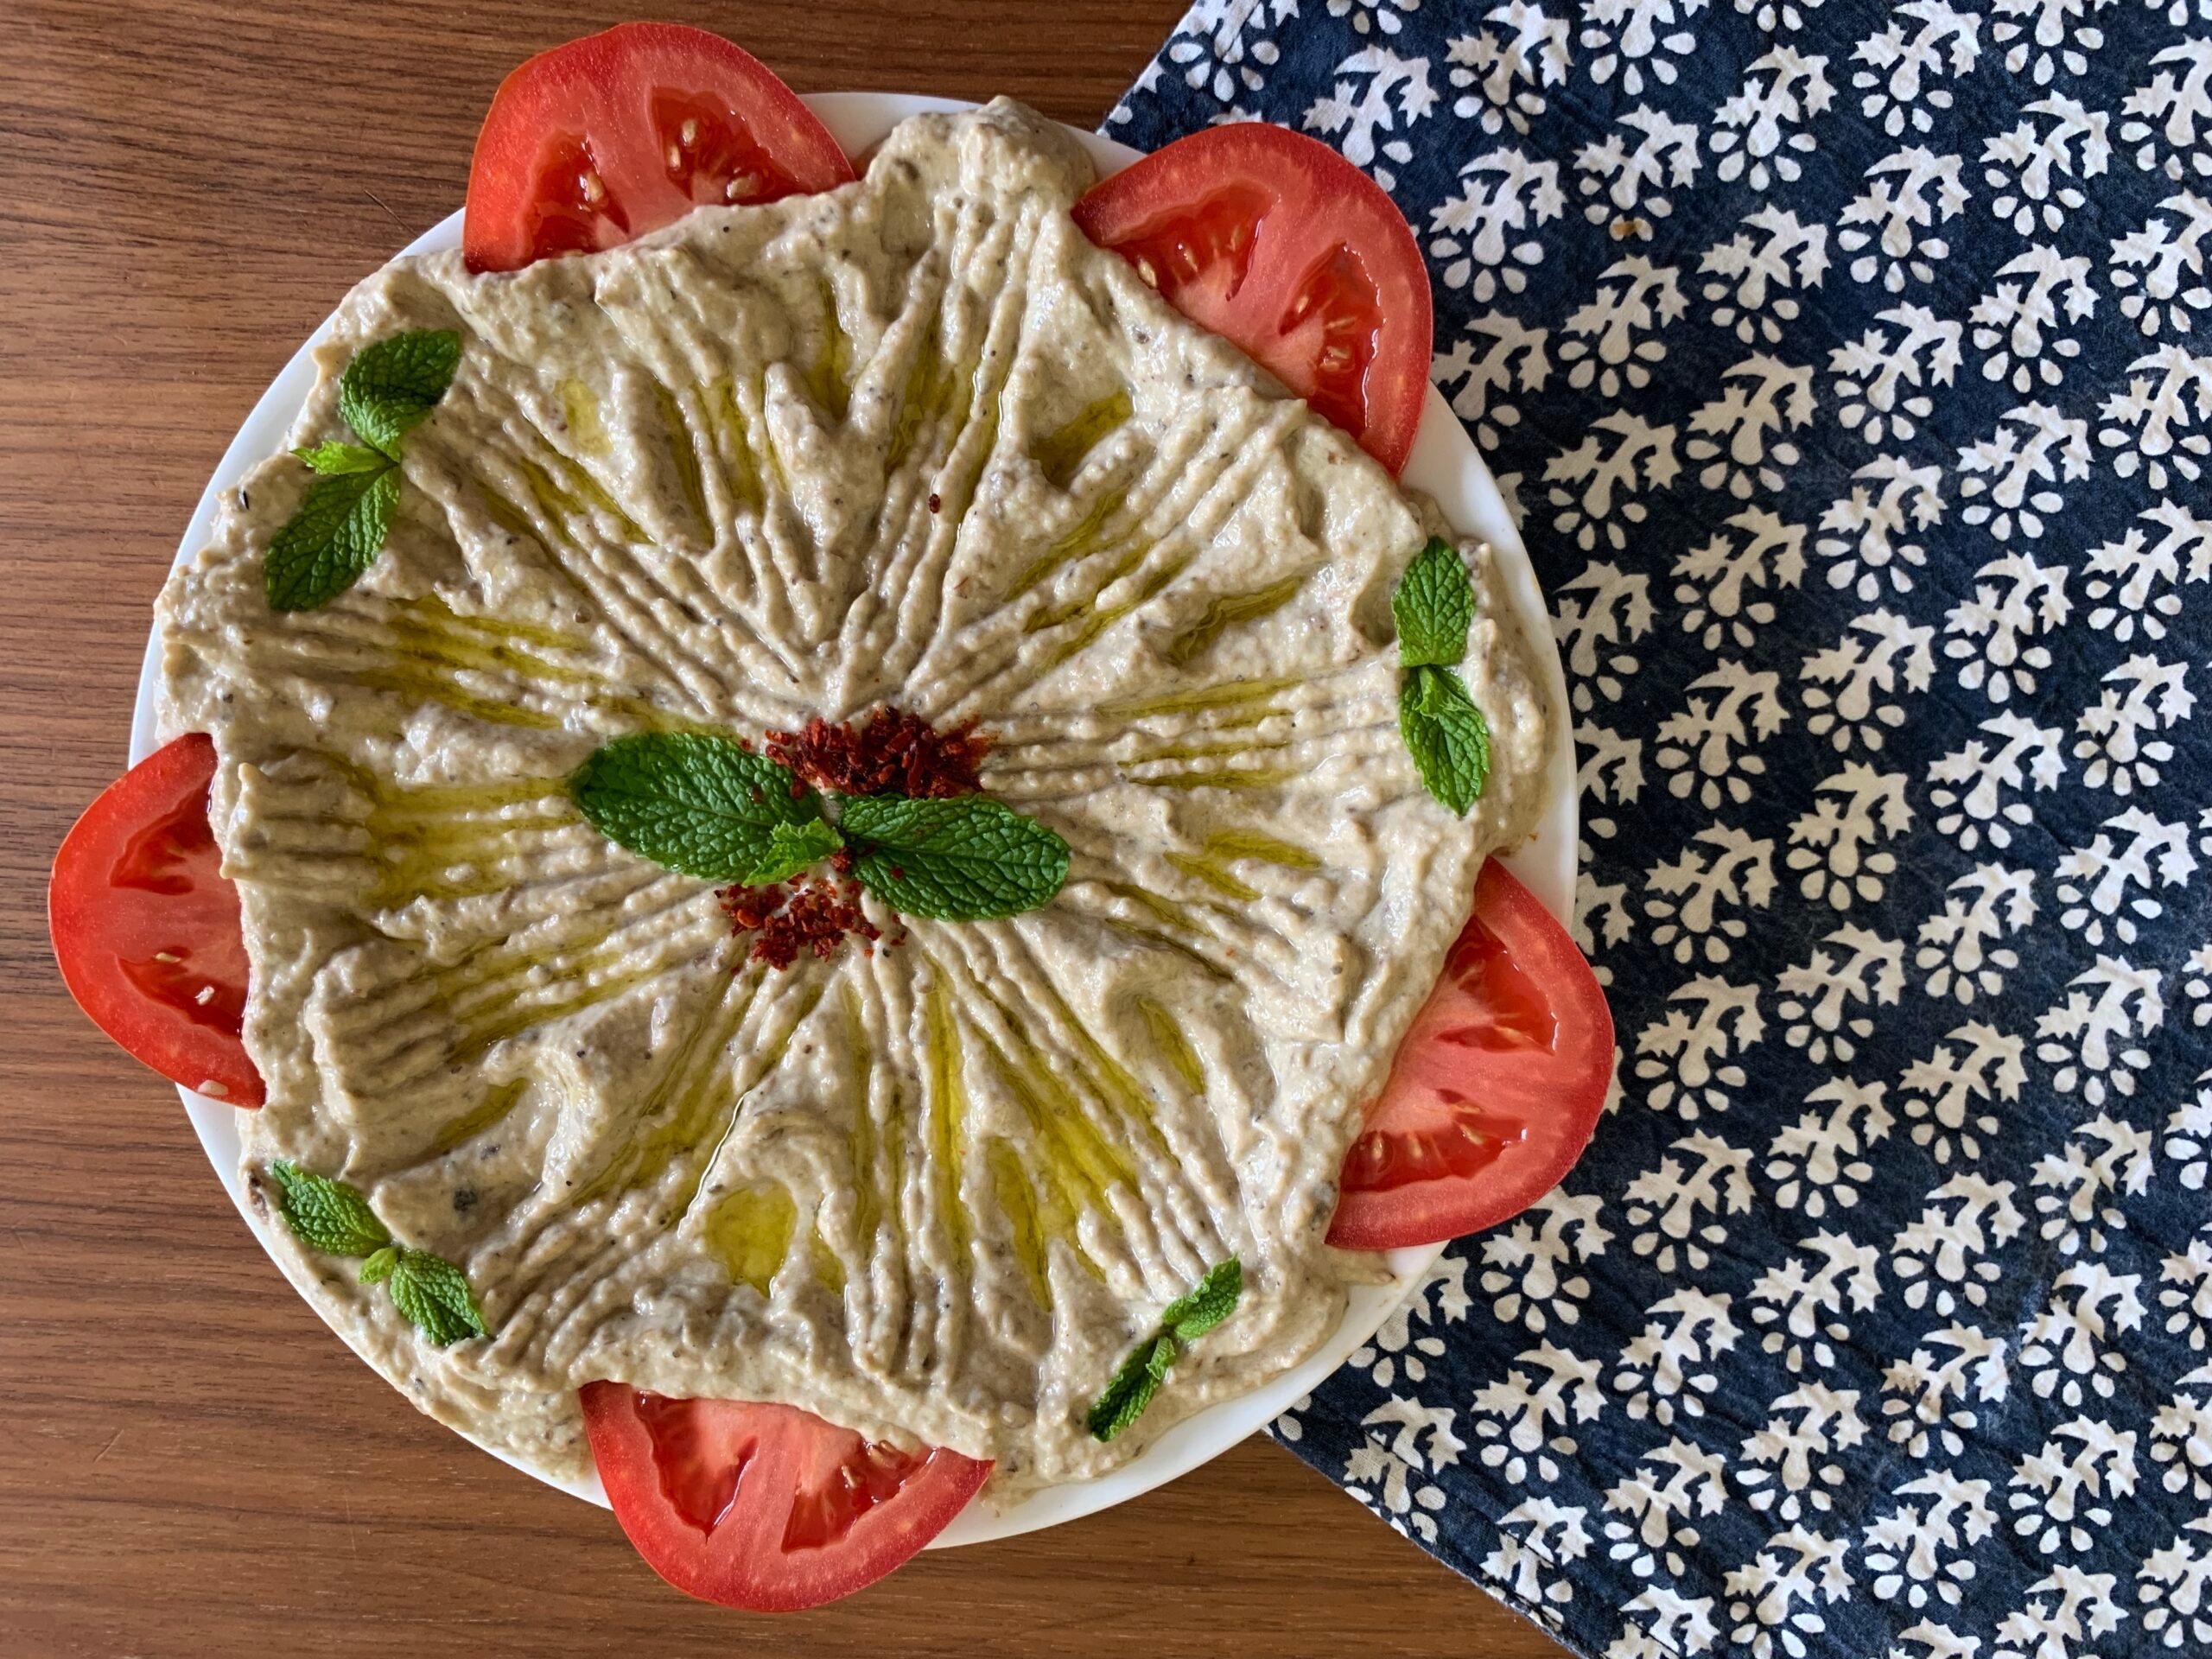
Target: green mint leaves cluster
{"x": 712, "y": 808}
{"x": 1445, "y": 733}
{"x": 333, "y": 1218}
{"x": 961, "y": 859}
{"x": 702, "y": 805}
{"x": 1185, "y": 1321}
{"x": 385, "y": 393}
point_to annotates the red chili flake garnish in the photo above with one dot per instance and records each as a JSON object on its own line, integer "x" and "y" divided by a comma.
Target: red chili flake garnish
{"x": 750, "y": 907}
{"x": 812, "y": 917}
{"x": 894, "y": 751}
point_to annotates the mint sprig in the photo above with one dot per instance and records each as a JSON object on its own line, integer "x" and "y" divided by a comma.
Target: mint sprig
{"x": 1214, "y": 1300}
{"x": 326, "y": 1215}
{"x": 385, "y": 391}
{"x": 325, "y": 547}
{"x": 1447, "y": 735}
{"x": 334, "y": 1220}
{"x": 1124, "y": 1399}
{"x": 713, "y": 808}
{"x": 967, "y": 859}
{"x": 435, "y": 1296}
{"x": 343, "y": 458}
{"x": 1443, "y": 730}
{"x": 389, "y": 387}
{"x": 702, "y": 805}
{"x": 1433, "y": 607}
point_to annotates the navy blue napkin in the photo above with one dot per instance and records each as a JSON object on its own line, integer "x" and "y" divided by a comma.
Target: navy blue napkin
{"x": 1851, "y": 367}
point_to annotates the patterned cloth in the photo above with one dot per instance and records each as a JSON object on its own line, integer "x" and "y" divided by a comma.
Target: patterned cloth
{"x": 1852, "y": 366}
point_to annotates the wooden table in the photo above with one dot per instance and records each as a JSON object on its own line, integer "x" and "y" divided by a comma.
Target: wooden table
{"x": 193, "y": 1465}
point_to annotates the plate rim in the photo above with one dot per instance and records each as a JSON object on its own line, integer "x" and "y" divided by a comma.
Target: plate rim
{"x": 1443, "y": 455}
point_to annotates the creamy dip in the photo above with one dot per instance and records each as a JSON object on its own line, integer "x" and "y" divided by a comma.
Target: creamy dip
{"x": 913, "y": 442}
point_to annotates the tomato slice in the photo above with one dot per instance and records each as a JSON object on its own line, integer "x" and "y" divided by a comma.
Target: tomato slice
{"x": 146, "y": 928}
{"x": 1275, "y": 241}
{"x": 622, "y": 132}
{"x": 767, "y": 1508}
{"x": 1494, "y": 1092}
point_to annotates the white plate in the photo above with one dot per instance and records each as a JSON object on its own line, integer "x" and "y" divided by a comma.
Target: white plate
{"x": 1444, "y": 463}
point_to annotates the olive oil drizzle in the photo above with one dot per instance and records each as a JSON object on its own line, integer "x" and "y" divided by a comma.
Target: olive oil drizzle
{"x": 936, "y": 392}
{"x": 1088, "y": 535}
{"x": 1232, "y": 610}
{"x": 726, "y": 416}
{"x": 829, "y": 380}
{"x": 860, "y": 1144}
{"x": 1228, "y": 694}
{"x": 749, "y": 1231}
{"x": 1153, "y": 563}
{"x": 420, "y": 837}
{"x": 1211, "y": 863}
{"x": 1173, "y": 1046}
{"x": 829, "y": 1266}
{"x": 491, "y": 1111}
{"x": 1017, "y": 1202}
{"x": 687, "y": 1101}
{"x": 491, "y": 670}
{"x": 684, "y": 447}
{"x": 579, "y": 407}
{"x": 1060, "y": 455}
{"x": 946, "y": 1103}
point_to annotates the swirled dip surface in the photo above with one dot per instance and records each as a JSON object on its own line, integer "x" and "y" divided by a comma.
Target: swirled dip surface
{"x": 915, "y": 442}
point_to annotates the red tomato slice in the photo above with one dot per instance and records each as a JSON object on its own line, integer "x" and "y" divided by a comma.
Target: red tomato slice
{"x": 1275, "y": 241}
{"x": 619, "y": 133}
{"x": 146, "y": 929}
{"x": 764, "y": 1507}
{"x": 1494, "y": 1092}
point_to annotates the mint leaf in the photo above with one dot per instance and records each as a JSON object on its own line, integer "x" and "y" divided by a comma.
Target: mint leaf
{"x": 390, "y": 386}
{"x": 1433, "y": 606}
{"x": 791, "y": 848}
{"x": 435, "y": 1296}
{"x": 335, "y": 1219}
{"x": 1132, "y": 1390}
{"x": 963, "y": 860}
{"x": 343, "y": 458}
{"x": 326, "y": 1215}
{"x": 334, "y": 538}
{"x": 1184, "y": 1319}
{"x": 702, "y": 805}
{"x": 1447, "y": 735}
{"x": 384, "y": 393}
{"x": 1214, "y": 1300}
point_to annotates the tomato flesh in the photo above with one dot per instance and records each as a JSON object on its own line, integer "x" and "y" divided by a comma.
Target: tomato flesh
{"x": 607, "y": 138}
{"x": 1273, "y": 240}
{"x": 568, "y": 210}
{"x": 1495, "y": 1090}
{"x": 711, "y": 156}
{"x": 765, "y": 1507}
{"x": 146, "y": 929}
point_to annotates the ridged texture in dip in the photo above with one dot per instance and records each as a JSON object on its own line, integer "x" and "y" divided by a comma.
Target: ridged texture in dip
{"x": 915, "y": 443}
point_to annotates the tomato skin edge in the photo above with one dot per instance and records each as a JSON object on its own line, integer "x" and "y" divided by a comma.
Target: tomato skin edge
{"x": 80, "y": 911}
{"x": 1116, "y": 211}
{"x": 586, "y": 69}
{"x": 1377, "y": 1225}
{"x": 621, "y": 1447}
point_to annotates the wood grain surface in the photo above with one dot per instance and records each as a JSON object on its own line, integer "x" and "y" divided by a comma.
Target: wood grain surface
{"x": 191, "y": 1464}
